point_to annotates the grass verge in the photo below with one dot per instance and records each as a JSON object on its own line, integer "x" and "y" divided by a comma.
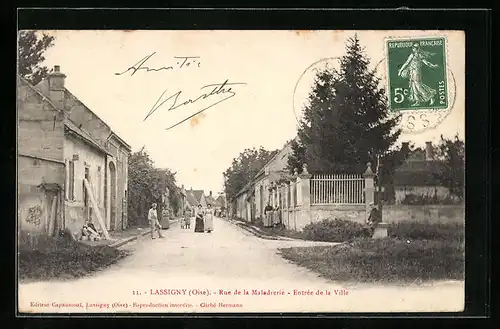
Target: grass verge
{"x": 59, "y": 258}
{"x": 383, "y": 260}
{"x": 273, "y": 232}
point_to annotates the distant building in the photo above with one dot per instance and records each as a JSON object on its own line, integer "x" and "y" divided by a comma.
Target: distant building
{"x": 198, "y": 197}
{"x": 191, "y": 200}
{"x": 417, "y": 175}
{"x": 61, "y": 142}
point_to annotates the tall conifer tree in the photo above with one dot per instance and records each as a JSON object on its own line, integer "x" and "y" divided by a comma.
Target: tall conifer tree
{"x": 346, "y": 122}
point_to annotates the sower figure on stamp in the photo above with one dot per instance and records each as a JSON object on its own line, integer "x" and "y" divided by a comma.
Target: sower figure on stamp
{"x": 153, "y": 221}
{"x": 412, "y": 70}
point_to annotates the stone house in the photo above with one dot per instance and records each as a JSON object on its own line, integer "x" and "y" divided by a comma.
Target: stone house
{"x": 210, "y": 199}
{"x": 183, "y": 204}
{"x": 253, "y": 198}
{"x": 222, "y": 201}
{"x": 191, "y": 202}
{"x": 243, "y": 203}
{"x": 61, "y": 142}
{"x": 199, "y": 196}
{"x": 274, "y": 170}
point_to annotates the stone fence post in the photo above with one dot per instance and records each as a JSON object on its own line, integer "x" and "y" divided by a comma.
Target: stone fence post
{"x": 286, "y": 213}
{"x": 305, "y": 197}
{"x": 369, "y": 188}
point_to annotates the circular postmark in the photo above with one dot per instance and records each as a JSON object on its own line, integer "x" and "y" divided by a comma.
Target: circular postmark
{"x": 420, "y": 87}
{"x": 420, "y": 107}
{"x": 306, "y": 81}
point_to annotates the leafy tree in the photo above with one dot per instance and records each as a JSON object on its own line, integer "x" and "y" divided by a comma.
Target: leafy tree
{"x": 296, "y": 159}
{"x": 244, "y": 168}
{"x": 452, "y": 173}
{"x": 147, "y": 184}
{"x": 31, "y": 48}
{"x": 346, "y": 122}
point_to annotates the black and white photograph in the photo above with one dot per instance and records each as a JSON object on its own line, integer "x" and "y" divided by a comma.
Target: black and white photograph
{"x": 240, "y": 171}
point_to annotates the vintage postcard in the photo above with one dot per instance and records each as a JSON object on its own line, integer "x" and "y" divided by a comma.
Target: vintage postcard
{"x": 238, "y": 171}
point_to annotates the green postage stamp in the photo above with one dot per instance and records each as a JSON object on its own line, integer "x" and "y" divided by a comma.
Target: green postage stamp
{"x": 417, "y": 73}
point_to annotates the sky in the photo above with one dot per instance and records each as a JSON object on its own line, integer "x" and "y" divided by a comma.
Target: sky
{"x": 249, "y": 80}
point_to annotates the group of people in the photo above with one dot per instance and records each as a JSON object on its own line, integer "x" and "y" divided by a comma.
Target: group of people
{"x": 204, "y": 219}
{"x": 272, "y": 216}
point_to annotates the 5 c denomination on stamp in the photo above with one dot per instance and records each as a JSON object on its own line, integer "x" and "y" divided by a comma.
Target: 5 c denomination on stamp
{"x": 417, "y": 74}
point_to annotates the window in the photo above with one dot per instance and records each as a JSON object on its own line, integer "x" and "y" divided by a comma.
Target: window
{"x": 71, "y": 181}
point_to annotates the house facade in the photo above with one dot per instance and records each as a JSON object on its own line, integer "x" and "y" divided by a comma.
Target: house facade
{"x": 199, "y": 197}
{"x": 211, "y": 200}
{"x": 65, "y": 149}
{"x": 253, "y": 198}
{"x": 242, "y": 204}
{"x": 222, "y": 202}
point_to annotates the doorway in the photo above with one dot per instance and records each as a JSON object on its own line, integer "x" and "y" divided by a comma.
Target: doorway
{"x": 86, "y": 203}
{"x": 261, "y": 197}
{"x": 112, "y": 199}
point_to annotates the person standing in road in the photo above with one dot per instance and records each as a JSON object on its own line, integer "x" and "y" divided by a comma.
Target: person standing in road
{"x": 165, "y": 218}
{"x": 153, "y": 221}
{"x": 199, "y": 225}
{"x": 268, "y": 216}
{"x": 209, "y": 219}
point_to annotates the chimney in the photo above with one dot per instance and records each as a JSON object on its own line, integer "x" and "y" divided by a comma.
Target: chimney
{"x": 210, "y": 193}
{"x": 56, "y": 87}
{"x": 429, "y": 151}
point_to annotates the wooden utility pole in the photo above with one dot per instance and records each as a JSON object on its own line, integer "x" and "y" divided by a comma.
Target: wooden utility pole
{"x": 96, "y": 207}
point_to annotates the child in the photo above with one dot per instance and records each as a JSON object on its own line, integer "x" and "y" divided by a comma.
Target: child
{"x": 187, "y": 220}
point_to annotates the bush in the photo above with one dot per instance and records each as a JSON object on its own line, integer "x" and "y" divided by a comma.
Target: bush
{"x": 258, "y": 222}
{"x": 426, "y": 199}
{"x": 427, "y": 231}
{"x": 337, "y": 230}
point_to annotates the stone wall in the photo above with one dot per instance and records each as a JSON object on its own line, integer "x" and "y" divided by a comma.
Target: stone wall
{"x": 353, "y": 213}
{"x": 393, "y": 213}
{"x": 424, "y": 213}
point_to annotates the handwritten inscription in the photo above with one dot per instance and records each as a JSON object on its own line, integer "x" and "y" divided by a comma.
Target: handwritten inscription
{"x": 175, "y": 102}
{"x": 181, "y": 62}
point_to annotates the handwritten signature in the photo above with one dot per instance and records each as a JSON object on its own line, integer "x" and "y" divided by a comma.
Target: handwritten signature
{"x": 217, "y": 88}
{"x": 182, "y": 61}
